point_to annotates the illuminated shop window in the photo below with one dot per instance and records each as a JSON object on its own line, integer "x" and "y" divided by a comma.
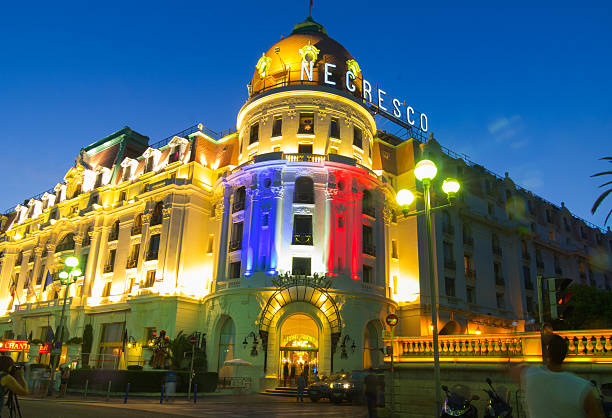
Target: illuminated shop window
{"x": 334, "y": 128}
{"x": 306, "y": 123}
{"x": 301, "y": 266}
{"x": 357, "y": 137}
{"x": 254, "y": 134}
{"x": 277, "y": 126}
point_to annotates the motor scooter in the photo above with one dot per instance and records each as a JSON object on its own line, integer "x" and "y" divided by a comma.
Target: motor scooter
{"x": 458, "y": 402}
{"x": 498, "y": 406}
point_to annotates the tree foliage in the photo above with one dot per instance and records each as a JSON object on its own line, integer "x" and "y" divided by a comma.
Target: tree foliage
{"x": 588, "y": 308}
{"x": 605, "y": 193}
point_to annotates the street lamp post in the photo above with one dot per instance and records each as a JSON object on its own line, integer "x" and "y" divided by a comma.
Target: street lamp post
{"x": 425, "y": 171}
{"x": 67, "y": 277}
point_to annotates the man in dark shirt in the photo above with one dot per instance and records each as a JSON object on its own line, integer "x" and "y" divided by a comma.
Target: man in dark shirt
{"x": 370, "y": 387}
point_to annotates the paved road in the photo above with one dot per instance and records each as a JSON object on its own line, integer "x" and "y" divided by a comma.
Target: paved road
{"x": 220, "y": 406}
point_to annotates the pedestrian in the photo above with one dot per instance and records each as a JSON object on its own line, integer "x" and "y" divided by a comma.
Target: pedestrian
{"x": 370, "y": 387}
{"x": 11, "y": 379}
{"x": 170, "y": 383}
{"x": 285, "y": 373}
{"x": 36, "y": 376}
{"x": 551, "y": 392}
{"x": 292, "y": 375}
{"x": 301, "y": 385}
{"x": 45, "y": 380}
{"x": 306, "y": 370}
{"x": 64, "y": 382}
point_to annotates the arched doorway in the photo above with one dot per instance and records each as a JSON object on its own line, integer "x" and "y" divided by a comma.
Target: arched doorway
{"x": 451, "y": 328}
{"x": 299, "y": 346}
{"x": 371, "y": 345}
{"x": 227, "y": 342}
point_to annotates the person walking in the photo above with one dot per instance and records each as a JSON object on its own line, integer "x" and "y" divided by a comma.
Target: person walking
{"x": 292, "y": 375}
{"x": 285, "y": 373}
{"x": 301, "y": 385}
{"x": 64, "y": 381}
{"x": 370, "y": 387}
{"x": 170, "y": 383}
{"x": 551, "y": 392}
{"x": 306, "y": 370}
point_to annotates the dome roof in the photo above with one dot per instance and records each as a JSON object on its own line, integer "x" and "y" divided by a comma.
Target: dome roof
{"x": 280, "y": 65}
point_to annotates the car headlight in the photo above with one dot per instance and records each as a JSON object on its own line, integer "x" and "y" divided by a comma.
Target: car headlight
{"x": 348, "y": 385}
{"x": 331, "y": 385}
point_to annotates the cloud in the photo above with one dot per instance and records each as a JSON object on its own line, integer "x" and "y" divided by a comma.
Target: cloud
{"x": 505, "y": 128}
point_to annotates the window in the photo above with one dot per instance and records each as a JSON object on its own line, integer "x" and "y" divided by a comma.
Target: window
{"x": 497, "y": 272}
{"x": 357, "y": 137}
{"x": 495, "y": 245}
{"x": 301, "y": 266}
{"x": 234, "y": 270}
{"x": 110, "y": 344}
{"x": 449, "y": 257}
{"x": 468, "y": 264}
{"x": 239, "y": 199}
{"x": 153, "y": 247}
{"x": 490, "y": 209}
{"x": 137, "y": 225}
{"x": 302, "y": 230}
{"x": 470, "y": 293}
{"x": 236, "y": 237}
{"x": 83, "y": 259}
{"x": 41, "y": 274}
{"x": 334, "y": 128}
{"x": 304, "y": 190}
{"x": 211, "y": 242}
{"x": 367, "y": 204}
{"x": 133, "y": 259}
{"x": 368, "y": 240}
{"x": 265, "y": 219}
{"x": 368, "y": 274}
{"x": 149, "y": 279}
{"x": 113, "y": 235}
{"x": 106, "y": 291}
{"x": 306, "y": 123}
{"x": 447, "y": 226}
{"x": 276, "y": 149}
{"x": 527, "y": 278}
{"x": 449, "y": 286}
{"x": 277, "y": 126}
{"x": 129, "y": 285}
{"x": 122, "y": 195}
{"x": 501, "y": 304}
{"x": 254, "y": 133}
{"x": 304, "y": 148}
{"x": 157, "y": 216}
{"x": 175, "y": 153}
{"x": 340, "y": 222}
{"x": 66, "y": 244}
{"x": 98, "y": 182}
{"x": 127, "y": 172}
{"x": 467, "y": 235}
{"x": 149, "y": 164}
{"x": 394, "y": 249}
{"x": 110, "y": 261}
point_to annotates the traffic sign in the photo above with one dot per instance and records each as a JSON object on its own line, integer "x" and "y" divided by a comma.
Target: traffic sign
{"x": 392, "y": 320}
{"x": 193, "y": 340}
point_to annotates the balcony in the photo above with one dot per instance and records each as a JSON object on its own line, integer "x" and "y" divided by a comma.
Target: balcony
{"x": 132, "y": 262}
{"x": 499, "y": 281}
{"x": 470, "y": 274}
{"x": 448, "y": 229}
{"x": 235, "y": 245}
{"x": 311, "y": 158}
{"x": 497, "y": 250}
{"x": 369, "y": 249}
{"x": 302, "y": 239}
{"x": 450, "y": 264}
{"x": 369, "y": 210}
{"x": 238, "y": 205}
{"x": 303, "y": 198}
{"x": 109, "y": 268}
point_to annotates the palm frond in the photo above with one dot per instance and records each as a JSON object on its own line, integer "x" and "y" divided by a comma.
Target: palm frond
{"x": 603, "y": 173}
{"x": 600, "y": 199}
{"x": 605, "y": 184}
{"x": 608, "y": 217}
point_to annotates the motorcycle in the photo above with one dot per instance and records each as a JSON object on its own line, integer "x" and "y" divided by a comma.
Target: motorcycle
{"x": 458, "y": 402}
{"x": 497, "y": 406}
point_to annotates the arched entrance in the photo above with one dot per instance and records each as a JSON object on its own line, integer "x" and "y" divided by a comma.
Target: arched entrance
{"x": 371, "y": 345}
{"x": 298, "y": 347}
{"x": 227, "y": 342}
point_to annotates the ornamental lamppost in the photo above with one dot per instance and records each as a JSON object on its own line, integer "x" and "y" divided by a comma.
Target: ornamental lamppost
{"x": 425, "y": 171}
{"x": 67, "y": 276}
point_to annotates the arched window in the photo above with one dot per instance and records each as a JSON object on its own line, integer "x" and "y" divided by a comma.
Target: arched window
{"x": 239, "y": 199}
{"x": 227, "y": 342}
{"x": 157, "y": 217}
{"x": 137, "y": 226}
{"x": 114, "y": 232}
{"x": 66, "y": 244}
{"x": 367, "y": 205}
{"x": 304, "y": 190}
{"x": 87, "y": 237}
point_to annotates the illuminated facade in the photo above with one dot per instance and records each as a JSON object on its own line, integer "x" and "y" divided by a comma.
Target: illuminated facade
{"x": 281, "y": 240}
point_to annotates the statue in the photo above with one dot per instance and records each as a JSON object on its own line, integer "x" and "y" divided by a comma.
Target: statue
{"x": 160, "y": 350}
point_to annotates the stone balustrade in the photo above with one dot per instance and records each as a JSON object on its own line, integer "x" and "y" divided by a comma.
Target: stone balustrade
{"x": 583, "y": 346}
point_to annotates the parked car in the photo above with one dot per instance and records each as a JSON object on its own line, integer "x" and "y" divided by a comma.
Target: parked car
{"x": 320, "y": 389}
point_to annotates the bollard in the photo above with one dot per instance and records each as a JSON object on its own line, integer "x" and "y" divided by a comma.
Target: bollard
{"x": 127, "y": 392}
{"x": 86, "y": 386}
{"x": 108, "y": 390}
{"x": 195, "y": 392}
{"x": 161, "y": 398}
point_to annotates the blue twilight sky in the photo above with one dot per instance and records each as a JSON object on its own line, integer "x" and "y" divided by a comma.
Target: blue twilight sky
{"x": 519, "y": 89}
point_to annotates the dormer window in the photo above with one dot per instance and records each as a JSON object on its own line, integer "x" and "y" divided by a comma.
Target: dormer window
{"x": 127, "y": 172}
{"x": 174, "y": 154}
{"x": 149, "y": 164}
{"x": 99, "y": 178}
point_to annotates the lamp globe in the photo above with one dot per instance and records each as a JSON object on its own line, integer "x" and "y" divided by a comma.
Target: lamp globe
{"x": 71, "y": 261}
{"x": 450, "y": 186}
{"x": 404, "y": 197}
{"x": 425, "y": 170}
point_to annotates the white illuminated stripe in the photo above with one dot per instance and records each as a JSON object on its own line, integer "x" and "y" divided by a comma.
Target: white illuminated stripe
{"x": 350, "y": 86}
{"x": 423, "y": 122}
{"x": 396, "y": 111}
{"x": 328, "y": 73}
{"x": 409, "y": 110}
{"x": 306, "y": 68}
{"x": 381, "y": 93}
{"x": 367, "y": 90}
